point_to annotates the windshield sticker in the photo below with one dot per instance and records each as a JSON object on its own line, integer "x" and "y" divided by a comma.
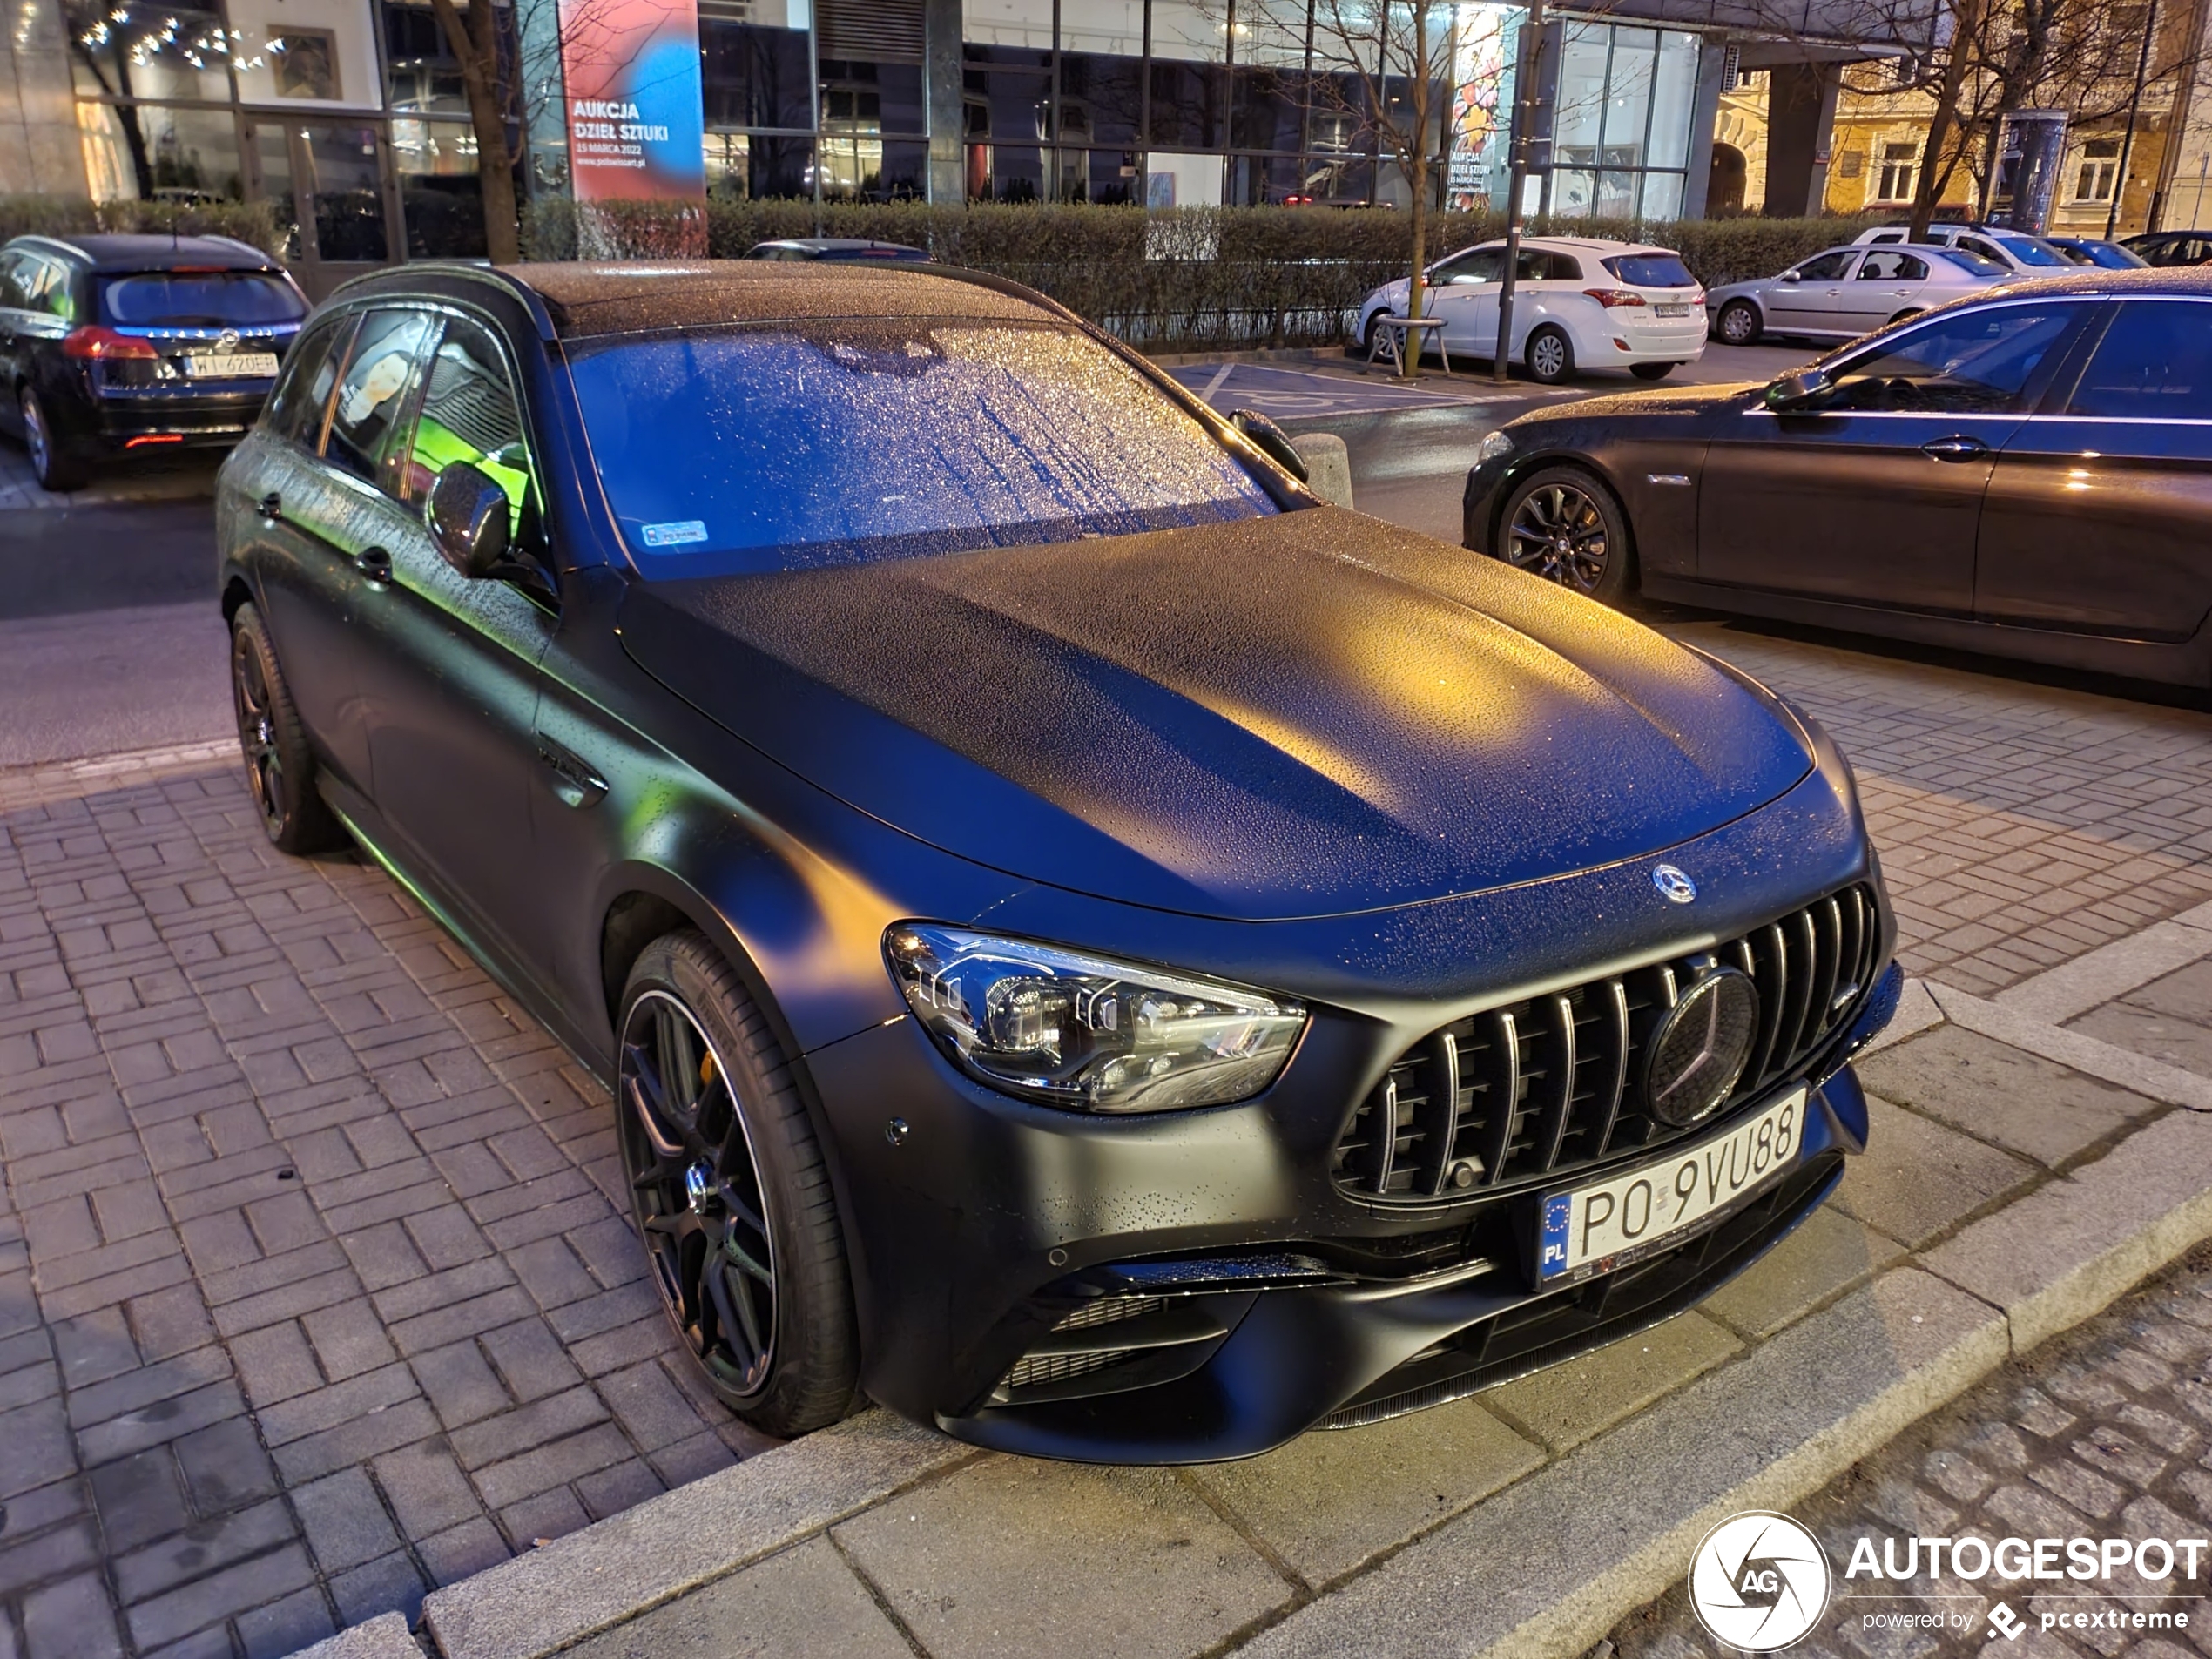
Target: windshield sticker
{"x": 673, "y": 534}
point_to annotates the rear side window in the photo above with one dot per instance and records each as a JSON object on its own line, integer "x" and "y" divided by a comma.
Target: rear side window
{"x": 1538, "y": 264}
{"x": 1886, "y": 266}
{"x": 44, "y": 286}
{"x": 201, "y": 299}
{"x": 1651, "y": 271}
{"x": 375, "y": 388}
{"x": 2155, "y": 363}
{"x": 302, "y": 395}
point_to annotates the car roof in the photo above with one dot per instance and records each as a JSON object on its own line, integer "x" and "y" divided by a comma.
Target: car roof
{"x": 123, "y": 253}
{"x": 589, "y": 298}
{"x": 2188, "y": 281}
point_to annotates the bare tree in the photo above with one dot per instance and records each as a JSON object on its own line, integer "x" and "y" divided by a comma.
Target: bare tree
{"x": 491, "y": 83}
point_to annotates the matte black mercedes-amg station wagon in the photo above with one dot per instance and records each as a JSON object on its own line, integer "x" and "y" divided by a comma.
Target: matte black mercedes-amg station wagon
{"x": 1093, "y": 948}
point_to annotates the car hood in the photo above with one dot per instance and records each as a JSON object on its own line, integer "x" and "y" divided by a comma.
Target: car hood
{"x": 1663, "y": 399}
{"x": 1303, "y": 715}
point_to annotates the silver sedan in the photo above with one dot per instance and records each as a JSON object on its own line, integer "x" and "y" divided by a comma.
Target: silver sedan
{"x": 1847, "y": 291}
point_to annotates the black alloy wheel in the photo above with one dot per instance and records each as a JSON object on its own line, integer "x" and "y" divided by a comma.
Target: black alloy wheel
{"x": 1738, "y": 323}
{"x": 55, "y": 469}
{"x": 1564, "y": 526}
{"x": 1550, "y": 355}
{"x": 279, "y": 763}
{"x": 730, "y": 1193}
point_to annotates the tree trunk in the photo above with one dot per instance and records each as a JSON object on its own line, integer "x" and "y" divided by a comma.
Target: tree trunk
{"x": 476, "y": 44}
{"x": 1417, "y": 179}
{"x": 1934, "y": 176}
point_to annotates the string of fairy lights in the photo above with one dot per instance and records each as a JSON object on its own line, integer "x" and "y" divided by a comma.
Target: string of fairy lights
{"x": 170, "y": 34}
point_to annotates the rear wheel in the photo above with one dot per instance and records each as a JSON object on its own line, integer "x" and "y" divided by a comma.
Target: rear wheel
{"x": 1652, "y": 371}
{"x": 731, "y": 1193}
{"x": 56, "y": 468}
{"x": 1738, "y": 323}
{"x": 1563, "y": 525}
{"x": 279, "y": 763}
{"x": 1550, "y": 355}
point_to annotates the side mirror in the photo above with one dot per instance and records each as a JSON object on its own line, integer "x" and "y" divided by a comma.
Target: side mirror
{"x": 1273, "y": 442}
{"x": 469, "y": 520}
{"x": 1790, "y": 276}
{"x": 1802, "y": 390}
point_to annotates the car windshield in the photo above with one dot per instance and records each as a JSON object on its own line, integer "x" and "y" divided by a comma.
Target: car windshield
{"x": 1651, "y": 270}
{"x": 795, "y": 445}
{"x": 2029, "y": 250}
{"x": 1972, "y": 264}
{"x": 201, "y": 298}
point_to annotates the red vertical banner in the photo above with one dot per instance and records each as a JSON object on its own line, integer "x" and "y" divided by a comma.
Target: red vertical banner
{"x": 637, "y": 122}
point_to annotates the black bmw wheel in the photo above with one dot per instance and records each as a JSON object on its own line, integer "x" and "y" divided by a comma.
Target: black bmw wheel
{"x": 279, "y": 764}
{"x": 730, "y": 1192}
{"x": 1563, "y": 525}
{"x": 1738, "y": 323}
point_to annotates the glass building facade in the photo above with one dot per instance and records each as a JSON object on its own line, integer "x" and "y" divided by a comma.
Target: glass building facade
{"x": 349, "y": 117}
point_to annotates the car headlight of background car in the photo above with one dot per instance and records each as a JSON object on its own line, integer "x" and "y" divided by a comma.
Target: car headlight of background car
{"x": 1086, "y": 1033}
{"x": 1494, "y": 446}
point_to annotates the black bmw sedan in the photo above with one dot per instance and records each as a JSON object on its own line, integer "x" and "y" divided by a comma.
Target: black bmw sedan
{"x": 1092, "y": 946}
{"x": 2027, "y": 473}
{"x": 120, "y": 345}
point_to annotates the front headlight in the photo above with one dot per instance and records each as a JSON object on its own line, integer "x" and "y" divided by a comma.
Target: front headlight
{"x": 1495, "y": 445}
{"x": 1085, "y": 1033}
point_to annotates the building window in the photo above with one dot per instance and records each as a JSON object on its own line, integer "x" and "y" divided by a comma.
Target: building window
{"x": 1621, "y": 123}
{"x": 1900, "y": 172}
{"x": 2099, "y": 174}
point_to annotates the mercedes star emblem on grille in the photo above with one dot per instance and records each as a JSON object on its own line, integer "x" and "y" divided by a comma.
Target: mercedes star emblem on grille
{"x": 1672, "y": 882}
{"x": 1701, "y": 1047}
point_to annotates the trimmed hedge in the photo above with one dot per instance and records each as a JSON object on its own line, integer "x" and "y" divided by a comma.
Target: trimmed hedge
{"x": 250, "y": 222}
{"x": 1203, "y": 277}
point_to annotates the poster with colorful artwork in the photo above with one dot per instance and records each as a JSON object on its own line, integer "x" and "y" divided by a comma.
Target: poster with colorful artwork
{"x": 637, "y": 129}
{"x": 1482, "y": 84}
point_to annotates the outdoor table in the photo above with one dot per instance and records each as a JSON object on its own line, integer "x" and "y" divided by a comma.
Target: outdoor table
{"x": 1390, "y": 335}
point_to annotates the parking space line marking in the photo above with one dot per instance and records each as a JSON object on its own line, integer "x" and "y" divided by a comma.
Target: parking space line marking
{"x": 1214, "y": 385}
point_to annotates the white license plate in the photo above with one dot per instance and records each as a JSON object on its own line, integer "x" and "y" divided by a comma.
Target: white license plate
{"x": 232, "y": 365}
{"x": 1595, "y": 1228}
{"x": 1672, "y": 311}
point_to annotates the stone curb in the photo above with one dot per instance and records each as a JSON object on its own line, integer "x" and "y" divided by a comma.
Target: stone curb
{"x": 1779, "y": 1423}
{"x": 2083, "y": 1053}
{"x": 384, "y": 1636}
{"x": 556, "y": 1596}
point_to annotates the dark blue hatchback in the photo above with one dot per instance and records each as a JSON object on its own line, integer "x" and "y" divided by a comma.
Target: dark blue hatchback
{"x": 121, "y": 344}
{"x": 1092, "y": 946}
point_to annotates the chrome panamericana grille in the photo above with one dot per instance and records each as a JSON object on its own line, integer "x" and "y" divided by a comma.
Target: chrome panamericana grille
{"x": 1554, "y": 1082}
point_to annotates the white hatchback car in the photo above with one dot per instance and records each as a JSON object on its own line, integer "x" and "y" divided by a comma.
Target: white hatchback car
{"x": 1577, "y": 302}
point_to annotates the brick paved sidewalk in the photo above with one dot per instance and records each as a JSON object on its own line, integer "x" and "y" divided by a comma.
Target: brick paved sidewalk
{"x": 312, "y": 1291}
{"x": 2100, "y": 1434}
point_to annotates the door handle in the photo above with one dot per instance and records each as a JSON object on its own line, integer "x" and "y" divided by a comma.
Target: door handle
{"x": 270, "y": 507}
{"x": 375, "y": 563}
{"x": 578, "y": 785}
{"x": 1955, "y": 448}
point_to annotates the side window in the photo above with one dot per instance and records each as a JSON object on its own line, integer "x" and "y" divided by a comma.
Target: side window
{"x": 1540, "y": 267}
{"x": 1975, "y": 362}
{"x": 1482, "y": 266}
{"x": 2154, "y": 363}
{"x": 14, "y": 268}
{"x": 1886, "y": 266}
{"x": 1888, "y": 236}
{"x": 302, "y": 395}
{"x": 50, "y": 290}
{"x": 1828, "y": 267}
{"x": 469, "y": 413}
{"x": 1987, "y": 249}
{"x": 375, "y": 388}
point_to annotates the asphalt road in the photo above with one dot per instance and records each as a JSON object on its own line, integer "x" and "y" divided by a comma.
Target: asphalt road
{"x": 109, "y": 639}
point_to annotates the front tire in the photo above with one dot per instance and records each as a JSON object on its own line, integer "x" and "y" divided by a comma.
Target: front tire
{"x": 279, "y": 762}
{"x": 1550, "y": 355}
{"x": 1652, "y": 371}
{"x": 51, "y": 462}
{"x": 1739, "y": 323}
{"x": 1562, "y": 525}
{"x": 731, "y": 1193}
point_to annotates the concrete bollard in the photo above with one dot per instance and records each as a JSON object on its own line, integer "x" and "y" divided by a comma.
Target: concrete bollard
{"x": 1328, "y": 464}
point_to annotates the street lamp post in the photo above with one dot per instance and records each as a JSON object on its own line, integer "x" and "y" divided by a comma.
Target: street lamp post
{"x": 1524, "y": 118}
